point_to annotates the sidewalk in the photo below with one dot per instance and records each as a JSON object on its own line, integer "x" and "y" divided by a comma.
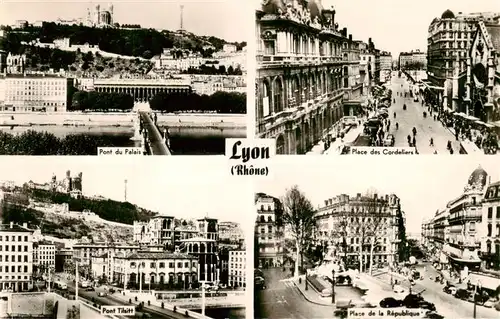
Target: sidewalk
{"x": 335, "y": 147}
{"x": 311, "y": 294}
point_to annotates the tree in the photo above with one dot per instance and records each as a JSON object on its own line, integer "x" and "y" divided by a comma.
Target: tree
{"x": 340, "y": 233}
{"x": 298, "y": 215}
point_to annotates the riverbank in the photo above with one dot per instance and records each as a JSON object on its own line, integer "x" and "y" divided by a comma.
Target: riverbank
{"x": 80, "y": 119}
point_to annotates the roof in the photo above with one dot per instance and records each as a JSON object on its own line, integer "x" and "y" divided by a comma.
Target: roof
{"x": 158, "y": 255}
{"x": 15, "y": 228}
{"x": 196, "y": 239}
{"x": 494, "y": 32}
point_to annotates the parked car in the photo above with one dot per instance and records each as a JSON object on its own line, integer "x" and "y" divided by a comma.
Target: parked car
{"x": 450, "y": 290}
{"x": 413, "y": 301}
{"x": 462, "y": 294}
{"x": 102, "y": 294}
{"x": 390, "y": 302}
{"x": 433, "y": 315}
{"x": 260, "y": 283}
{"x": 427, "y": 305}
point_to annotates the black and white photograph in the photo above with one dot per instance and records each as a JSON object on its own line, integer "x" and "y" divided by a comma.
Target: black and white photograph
{"x": 421, "y": 76}
{"x": 420, "y": 235}
{"x": 77, "y": 236}
{"x": 168, "y": 77}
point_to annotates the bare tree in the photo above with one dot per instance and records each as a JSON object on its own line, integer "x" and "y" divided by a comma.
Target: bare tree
{"x": 340, "y": 234}
{"x": 298, "y": 215}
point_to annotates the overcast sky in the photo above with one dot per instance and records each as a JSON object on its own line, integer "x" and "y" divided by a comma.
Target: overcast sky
{"x": 397, "y": 25}
{"x": 221, "y": 18}
{"x": 188, "y": 187}
{"x": 424, "y": 183}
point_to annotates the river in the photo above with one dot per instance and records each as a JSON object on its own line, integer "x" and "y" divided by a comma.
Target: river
{"x": 183, "y": 140}
{"x": 224, "y": 313}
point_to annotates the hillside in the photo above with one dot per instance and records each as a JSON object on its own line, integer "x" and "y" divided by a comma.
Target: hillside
{"x": 131, "y": 42}
{"x": 121, "y": 212}
{"x": 61, "y": 226}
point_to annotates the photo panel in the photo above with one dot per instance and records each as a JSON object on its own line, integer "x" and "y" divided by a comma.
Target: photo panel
{"x": 380, "y": 78}
{"x": 89, "y": 237}
{"x": 91, "y": 78}
{"x": 402, "y": 237}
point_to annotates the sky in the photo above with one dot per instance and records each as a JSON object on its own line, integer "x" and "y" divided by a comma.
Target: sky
{"x": 424, "y": 183}
{"x": 187, "y": 187}
{"x": 397, "y": 25}
{"x": 220, "y": 18}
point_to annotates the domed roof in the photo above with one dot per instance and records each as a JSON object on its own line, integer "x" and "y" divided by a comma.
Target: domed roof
{"x": 478, "y": 177}
{"x": 448, "y": 14}
{"x": 315, "y": 7}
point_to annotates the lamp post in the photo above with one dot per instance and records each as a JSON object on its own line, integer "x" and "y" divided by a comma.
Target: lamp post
{"x": 140, "y": 278}
{"x": 306, "y": 281}
{"x": 475, "y": 292}
{"x": 333, "y": 286}
{"x": 203, "y": 298}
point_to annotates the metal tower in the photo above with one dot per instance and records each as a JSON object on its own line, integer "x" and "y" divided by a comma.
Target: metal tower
{"x": 182, "y": 18}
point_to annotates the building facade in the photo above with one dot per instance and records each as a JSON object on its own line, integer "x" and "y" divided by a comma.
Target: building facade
{"x": 449, "y": 41}
{"x": 155, "y": 267}
{"x": 490, "y": 245}
{"x": 237, "y": 268}
{"x": 16, "y": 257}
{"x": 44, "y": 255}
{"x": 36, "y": 93}
{"x": 480, "y": 92}
{"x": 269, "y": 232}
{"x": 143, "y": 90}
{"x": 348, "y": 226}
{"x": 302, "y": 71}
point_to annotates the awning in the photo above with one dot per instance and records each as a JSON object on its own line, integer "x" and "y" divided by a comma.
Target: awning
{"x": 465, "y": 261}
{"x": 487, "y": 282}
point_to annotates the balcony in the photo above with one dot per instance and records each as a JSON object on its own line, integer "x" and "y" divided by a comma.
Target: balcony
{"x": 296, "y": 59}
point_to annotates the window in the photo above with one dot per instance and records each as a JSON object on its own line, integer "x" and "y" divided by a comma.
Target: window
{"x": 489, "y": 230}
{"x": 25, "y": 258}
{"x": 13, "y": 248}
{"x": 498, "y": 212}
{"x": 472, "y": 227}
{"x": 490, "y": 212}
{"x": 18, "y": 238}
{"x": 19, "y": 248}
{"x": 179, "y": 265}
{"x": 162, "y": 265}
{"x": 152, "y": 265}
{"x": 171, "y": 265}
{"x": 25, "y": 248}
{"x": 25, "y": 268}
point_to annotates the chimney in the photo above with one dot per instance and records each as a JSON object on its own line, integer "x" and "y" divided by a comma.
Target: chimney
{"x": 326, "y": 202}
{"x": 344, "y": 32}
{"x": 11, "y": 224}
{"x": 350, "y": 37}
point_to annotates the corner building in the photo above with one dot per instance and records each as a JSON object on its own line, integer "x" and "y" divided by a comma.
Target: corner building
{"x": 305, "y": 74}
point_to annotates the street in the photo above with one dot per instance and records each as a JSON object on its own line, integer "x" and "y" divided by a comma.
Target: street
{"x": 413, "y": 117}
{"x": 284, "y": 300}
{"x": 447, "y": 305}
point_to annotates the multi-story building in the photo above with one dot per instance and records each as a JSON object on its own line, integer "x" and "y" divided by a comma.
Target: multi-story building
{"x": 269, "y": 232}
{"x": 448, "y": 44}
{"x": 463, "y": 243}
{"x": 84, "y": 250}
{"x": 479, "y": 87}
{"x": 35, "y": 93}
{"x": 155, "y": 267}
{"x": 16, "y": 257}
{"x": 15, "y": 63}
{"x": 302, "y": 71}
{"x": 230, "y": 232}
{"x": 44, "y": 255}
{"x": 413, "y": 60}
{"x": 348, "y": 226}
{"x": 490, "y": 228}
{"x": 385, "y": 66}
{"x": 237, "y": 268}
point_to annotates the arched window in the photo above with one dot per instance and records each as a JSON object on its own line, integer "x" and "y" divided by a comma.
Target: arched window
{"x": 278, "y": 96}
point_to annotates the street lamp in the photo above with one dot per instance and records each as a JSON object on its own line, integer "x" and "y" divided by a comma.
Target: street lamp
{"x": 333, "y": 286}
{"x": 306, "y": 281}
{"x": 475, "y": 292}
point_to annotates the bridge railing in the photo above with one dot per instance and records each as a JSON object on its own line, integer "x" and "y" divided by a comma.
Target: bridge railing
{"x": 163, "y": 130}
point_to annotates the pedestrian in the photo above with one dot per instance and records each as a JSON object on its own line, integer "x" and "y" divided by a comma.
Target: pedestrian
{"x": 414, "y": 141}
{"x": 451, "y": 151}
{"x": 431, "y": 142}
